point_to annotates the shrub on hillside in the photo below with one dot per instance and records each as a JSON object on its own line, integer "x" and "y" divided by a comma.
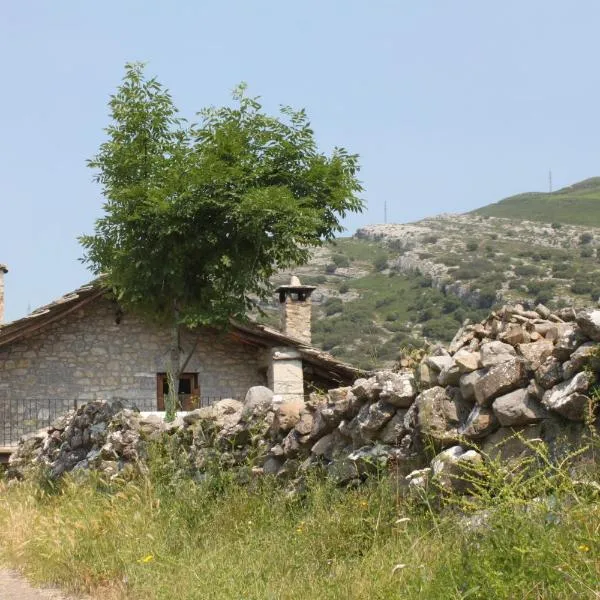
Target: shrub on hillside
{"x": 340, "y": 260}
{"x": 333, "y": 306}
{"x": 441, "y": 328}
{"x": 380, "y": 263}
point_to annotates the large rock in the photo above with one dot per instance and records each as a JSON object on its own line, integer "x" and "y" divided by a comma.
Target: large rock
{"x": 438, "y": 415}
{"x": 586, "y": 355}
{"x": 568, "y": 398}
{"x": 258, "y": 400}
{"x": 535, "y": 353}
{"x": 549, "y": 373}
{"x": 570, "y": 337}
{"x": 514, "y": 334}
{"x": 518, "y": 408}
{"x": 467, "y": 361}
{"x": 481, "y": 422}
{"x": 457, "y": 470}
{"x": 329, "y": 446}
{"x": 509, "y": 443}
{"x": 589, "y": 323}
{"x": 394, "y": 430}
{"x": 495, "y": 353}
{"x": 365, "y": 389}
{"x": 398, "y": 389}
{"x": 372, "y": 417}
{"x": 287, "y": 415}
{"x": 438, "y": 363}
{"x": 467, "y": 384}
{"x": 428, "y": 377}
{"x": 499, "y": 380}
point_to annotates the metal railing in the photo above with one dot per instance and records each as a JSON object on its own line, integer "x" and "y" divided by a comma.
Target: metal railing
{"x": 21, "y": 417}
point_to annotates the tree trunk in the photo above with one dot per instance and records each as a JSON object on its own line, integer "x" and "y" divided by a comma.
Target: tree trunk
{"x": 174, "y": 370}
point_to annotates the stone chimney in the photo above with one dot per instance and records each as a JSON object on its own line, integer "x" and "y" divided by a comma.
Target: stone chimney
{"x": 295, "y": 305}
{"x": 3, "y": 270}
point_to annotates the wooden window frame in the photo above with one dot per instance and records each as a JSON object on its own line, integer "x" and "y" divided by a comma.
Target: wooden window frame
{"x": 188, "y": 401}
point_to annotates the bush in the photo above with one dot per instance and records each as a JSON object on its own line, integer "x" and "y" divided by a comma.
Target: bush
{"x": 586, "y": 252}
{"x": 380, "y": 263}
{"x": 441, "y": 328}
{"x": 340, "y": 260}
{"x": 581, "y": 286}
{"x": 330, "y": 269}
{"x": 472, "y": 246}
{"x": 333, "y": 306}
{"x": 526, "y": 270}
{"x": 585, "y": 238}
{"x": 344, "y": 288}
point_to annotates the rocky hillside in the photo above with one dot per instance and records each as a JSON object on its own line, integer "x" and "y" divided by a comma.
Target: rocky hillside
{"x": 396, "y": 287}
{"x": 577, "y": 204}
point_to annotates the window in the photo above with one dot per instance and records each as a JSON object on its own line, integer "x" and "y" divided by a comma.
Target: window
{"x": 189, "y": 391}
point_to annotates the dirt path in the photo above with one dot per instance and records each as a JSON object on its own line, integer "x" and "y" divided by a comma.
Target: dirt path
{"x": 14, "y": 587}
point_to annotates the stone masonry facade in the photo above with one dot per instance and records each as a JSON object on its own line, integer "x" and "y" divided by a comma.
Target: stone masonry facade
{"x": 93, "y": 355}
{"x": 296, "y": 319}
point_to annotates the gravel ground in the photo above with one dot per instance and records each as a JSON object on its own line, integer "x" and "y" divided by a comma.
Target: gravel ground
{"x": 14, "y": 587}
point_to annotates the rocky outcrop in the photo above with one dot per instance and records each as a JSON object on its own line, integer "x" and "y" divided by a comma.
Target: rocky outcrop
{"x": 518, "y": 379}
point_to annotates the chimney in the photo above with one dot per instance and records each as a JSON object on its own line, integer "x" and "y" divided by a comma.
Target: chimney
{"x": 295, "y": 305}
{"x": 3, "y": 270}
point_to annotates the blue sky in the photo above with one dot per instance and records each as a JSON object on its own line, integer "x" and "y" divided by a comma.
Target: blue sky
{"x": 451, "y": 105}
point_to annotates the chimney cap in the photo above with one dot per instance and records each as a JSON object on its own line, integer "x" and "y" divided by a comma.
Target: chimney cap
{"x": 3, "y": 268}
{"x": 295, "y": 286}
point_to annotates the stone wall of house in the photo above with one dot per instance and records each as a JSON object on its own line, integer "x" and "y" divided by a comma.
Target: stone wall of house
{"x": 88, "y": 355}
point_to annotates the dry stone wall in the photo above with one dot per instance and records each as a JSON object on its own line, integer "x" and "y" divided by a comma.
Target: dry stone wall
{"x": 518, "y": 379}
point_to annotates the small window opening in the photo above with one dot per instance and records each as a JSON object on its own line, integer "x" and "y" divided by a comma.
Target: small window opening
{"x": 188, "y": 391}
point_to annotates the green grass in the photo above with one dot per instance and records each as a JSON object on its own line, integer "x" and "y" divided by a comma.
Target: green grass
{"x": 578, "y": 204}
{"x": 164, "y": 536}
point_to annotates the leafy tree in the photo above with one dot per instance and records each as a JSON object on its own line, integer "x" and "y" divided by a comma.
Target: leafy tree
{"x": 198, "y": 217}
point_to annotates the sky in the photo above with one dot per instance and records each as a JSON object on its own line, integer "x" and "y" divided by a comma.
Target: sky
{"x": 450, "y": 105}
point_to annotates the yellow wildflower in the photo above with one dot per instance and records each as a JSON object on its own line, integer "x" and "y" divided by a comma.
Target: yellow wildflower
{"x": 146, "y": 559}
{"x": 583, "y": 548}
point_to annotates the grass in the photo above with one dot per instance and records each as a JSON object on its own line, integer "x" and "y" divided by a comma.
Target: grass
{"x": 165, "y": 536}
{"x": 578, "y": 204}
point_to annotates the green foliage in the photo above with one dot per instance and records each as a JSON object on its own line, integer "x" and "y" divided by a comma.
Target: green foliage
{"x": 333, "y": 306}
{"x": 201, "y": 216}
{"x": 440, "y": 328}
{"x": 472, "y": 245}
{"x": 340, "y": 260}
{"x": 526, "y": 270}
{"x": 380, "y": 263}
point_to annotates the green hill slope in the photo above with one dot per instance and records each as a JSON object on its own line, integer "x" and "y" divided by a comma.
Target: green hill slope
{"x": 578, "y": 204}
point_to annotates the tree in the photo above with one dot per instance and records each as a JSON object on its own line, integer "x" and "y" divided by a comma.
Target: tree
{"x": 198, "y": 217}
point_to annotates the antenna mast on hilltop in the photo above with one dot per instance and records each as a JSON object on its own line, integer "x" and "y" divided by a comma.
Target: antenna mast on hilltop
{"x": 550, "y": 181}
{"x": 385, "y": 211}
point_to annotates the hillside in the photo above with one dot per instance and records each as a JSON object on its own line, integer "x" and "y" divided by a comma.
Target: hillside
{"x": 392, "y": 288}
{"x": 578, "y": 204}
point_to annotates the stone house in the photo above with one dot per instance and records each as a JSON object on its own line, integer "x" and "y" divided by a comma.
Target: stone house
{"x": 83, "y": 347}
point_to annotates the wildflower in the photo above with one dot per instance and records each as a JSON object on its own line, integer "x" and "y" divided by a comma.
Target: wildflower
{"x": 583, "y": 548}
{"x": 364, "y": 504}
{"x": 146, "y": 559}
